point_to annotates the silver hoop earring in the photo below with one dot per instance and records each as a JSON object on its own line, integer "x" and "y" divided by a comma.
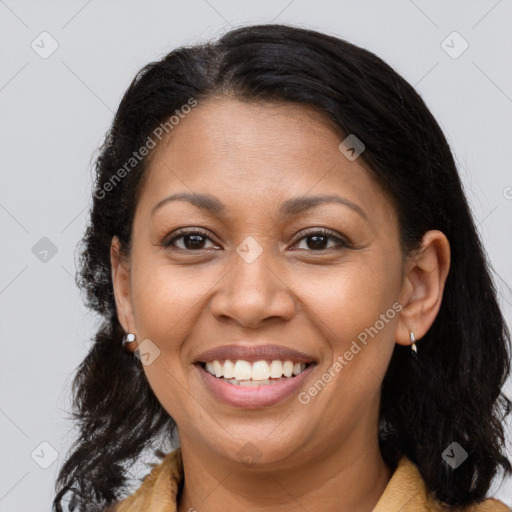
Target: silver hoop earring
{"x": 414, "y": 348}
{"x": 129, "y": 338}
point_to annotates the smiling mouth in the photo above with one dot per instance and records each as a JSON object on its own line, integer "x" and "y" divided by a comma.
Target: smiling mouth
{"x": 254, "y": 373}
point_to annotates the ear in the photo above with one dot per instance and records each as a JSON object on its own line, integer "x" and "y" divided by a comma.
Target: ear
{"x": 422, "y": 291}
{"x": 121, "y": 284}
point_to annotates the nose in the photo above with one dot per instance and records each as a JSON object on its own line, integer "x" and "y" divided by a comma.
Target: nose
{"x": 252, "y": 292}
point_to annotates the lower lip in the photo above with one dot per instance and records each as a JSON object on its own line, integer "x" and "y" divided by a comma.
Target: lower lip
{"x": 250, "y": 397}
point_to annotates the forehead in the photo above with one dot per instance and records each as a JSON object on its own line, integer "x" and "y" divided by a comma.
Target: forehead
{"x": 263, "y": 130}
{"x": 257, "y": 151}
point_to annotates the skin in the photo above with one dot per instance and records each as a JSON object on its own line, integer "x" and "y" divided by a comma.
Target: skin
{"x": 322, "y": 455}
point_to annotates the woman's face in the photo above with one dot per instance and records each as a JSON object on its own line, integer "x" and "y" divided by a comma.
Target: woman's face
{"x": 260, "y": 273}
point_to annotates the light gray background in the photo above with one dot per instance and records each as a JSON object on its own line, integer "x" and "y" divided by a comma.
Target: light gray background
{"x": 54, "y": 112}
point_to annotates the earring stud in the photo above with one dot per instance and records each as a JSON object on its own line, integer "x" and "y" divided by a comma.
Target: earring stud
{"x": 129, "y": 338}
{"x": 414, "y": 348}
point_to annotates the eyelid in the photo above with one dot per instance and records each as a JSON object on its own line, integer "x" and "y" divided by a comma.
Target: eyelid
{"x": 324, "y": 231}
{"x": 183, "y": 232}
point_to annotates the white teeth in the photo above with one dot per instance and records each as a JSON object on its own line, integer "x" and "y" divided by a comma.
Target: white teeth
{"x": 276, "y": 369}
{"x": 217, "y": 368}
{"x": 250, "y": 383}
{"x": 242, "y": 370}
{"x": 288, "y": 368}
{"x": 229, "y": 369}
{"x": 260, "y": 371}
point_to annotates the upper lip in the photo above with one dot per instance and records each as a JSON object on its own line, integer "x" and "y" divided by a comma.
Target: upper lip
{"x": 254, "y": 353}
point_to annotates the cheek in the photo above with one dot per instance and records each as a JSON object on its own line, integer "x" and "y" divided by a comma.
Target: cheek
{"x": 165, "y": 300}
{"x": 347, "y": 301}
{"x": 352, "y": 309}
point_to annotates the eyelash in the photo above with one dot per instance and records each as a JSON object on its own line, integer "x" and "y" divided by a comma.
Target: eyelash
{"x": 181, "y": 233}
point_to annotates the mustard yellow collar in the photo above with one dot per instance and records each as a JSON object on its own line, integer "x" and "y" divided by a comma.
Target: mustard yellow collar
{"x": 405, "y": 492}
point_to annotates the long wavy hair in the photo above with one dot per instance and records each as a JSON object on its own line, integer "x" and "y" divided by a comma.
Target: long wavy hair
{"x": 453, "y": 392}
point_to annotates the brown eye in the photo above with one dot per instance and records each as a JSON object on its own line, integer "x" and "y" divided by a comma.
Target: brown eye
{"x": 190, "y": 240}
{"x": 318, "y": 240}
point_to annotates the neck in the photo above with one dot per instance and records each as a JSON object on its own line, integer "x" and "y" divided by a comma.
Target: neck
{"x": 351, "y": 477}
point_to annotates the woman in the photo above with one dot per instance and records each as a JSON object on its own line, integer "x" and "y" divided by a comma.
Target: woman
{"x": 291, "y": 281}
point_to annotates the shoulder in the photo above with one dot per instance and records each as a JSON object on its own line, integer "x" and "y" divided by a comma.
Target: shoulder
{"x": 159, "y": 489}
{"x": 489, "y": 505}
{"x": 406, "y": 491}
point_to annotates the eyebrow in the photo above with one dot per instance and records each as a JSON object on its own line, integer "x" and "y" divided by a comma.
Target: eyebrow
{"x": 289, "y": 207}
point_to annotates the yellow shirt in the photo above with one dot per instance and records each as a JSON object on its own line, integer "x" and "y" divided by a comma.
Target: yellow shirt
{"x": 405, "y": 492}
